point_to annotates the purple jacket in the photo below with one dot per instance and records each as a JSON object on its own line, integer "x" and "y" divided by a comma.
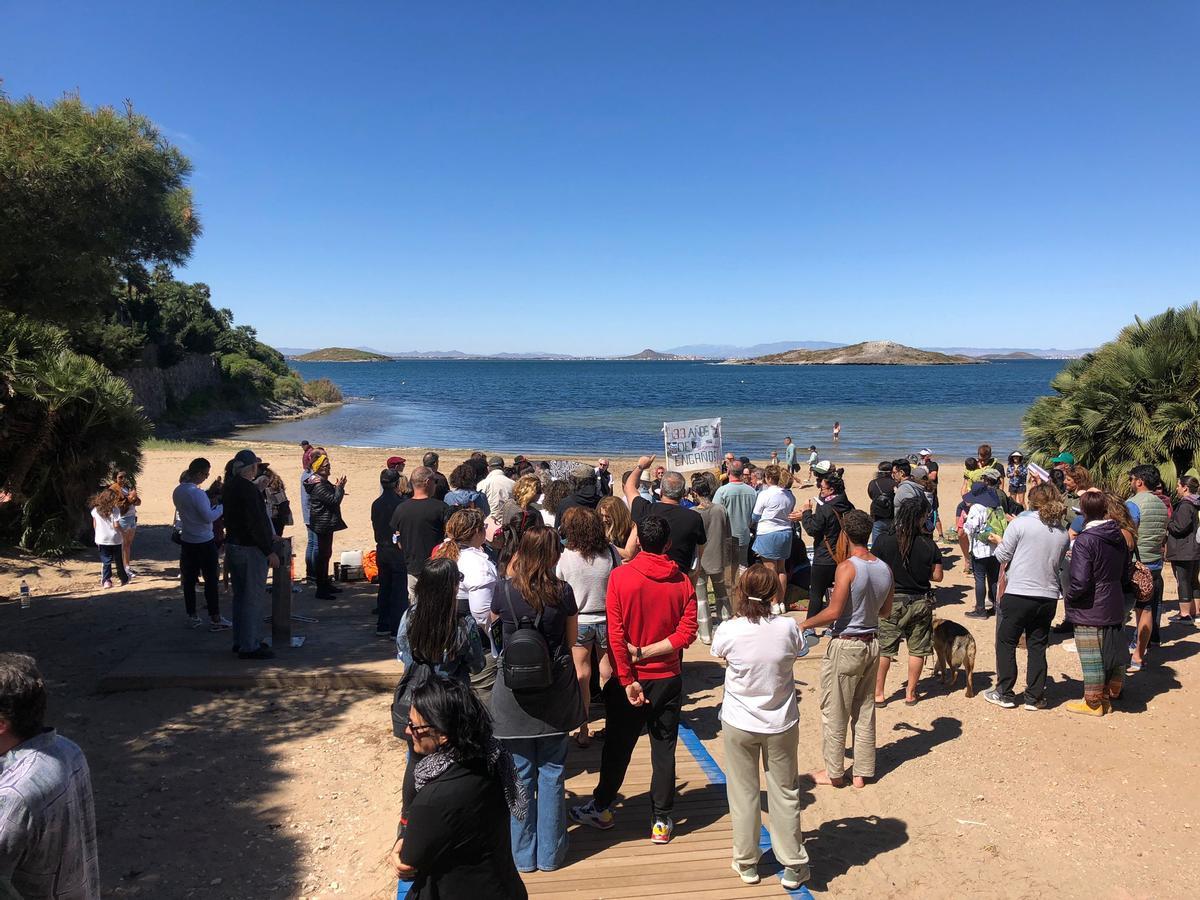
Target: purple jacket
{"x": 1101, "y": 566}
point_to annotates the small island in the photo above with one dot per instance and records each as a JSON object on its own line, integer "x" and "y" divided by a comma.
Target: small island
{"x": 867, "y": 353}
{"x": 651, "y": 354}
{"x": 341, "y": 354}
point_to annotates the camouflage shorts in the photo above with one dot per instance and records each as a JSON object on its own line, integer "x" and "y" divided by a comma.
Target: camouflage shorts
{"x": 912, "y": 620}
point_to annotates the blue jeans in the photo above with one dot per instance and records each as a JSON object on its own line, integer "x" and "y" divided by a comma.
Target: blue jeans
{"x": 540, "y": 842}
{"x": 247, "y": 575}
{"x": 110, "y": 556}
{"x": 310, "y": 555}
{"x": 877, "y": 529}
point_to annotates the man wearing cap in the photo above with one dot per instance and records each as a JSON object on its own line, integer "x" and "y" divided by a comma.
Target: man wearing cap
{"x": 497, "y": 487}
{"x": 931, "y": 466}
{"x": 1064, "y": 461}
{"x": 881, "y": 491}
{"x": 396, "y": 464}
{"x": 393, "y": 574}
{"x": 249, "y": 552}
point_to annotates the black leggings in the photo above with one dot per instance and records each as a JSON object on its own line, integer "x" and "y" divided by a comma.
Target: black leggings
{"x": 819, "y": 581}
{"x": 1185, "y": 577}
{"x": 324, "y": 553}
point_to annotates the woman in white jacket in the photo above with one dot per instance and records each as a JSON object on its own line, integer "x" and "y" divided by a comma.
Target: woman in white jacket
{"x": 465, "y": 536}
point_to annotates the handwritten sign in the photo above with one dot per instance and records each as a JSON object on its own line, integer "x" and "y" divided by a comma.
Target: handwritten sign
{"x": 691, "y": 445}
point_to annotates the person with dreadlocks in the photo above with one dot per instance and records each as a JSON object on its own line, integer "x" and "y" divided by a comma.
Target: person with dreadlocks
{"x": 916, "y": 563}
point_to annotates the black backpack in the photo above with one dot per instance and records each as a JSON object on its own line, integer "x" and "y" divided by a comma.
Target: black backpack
{"x": 883, "y": 506}
{"x": 526, "y": 657}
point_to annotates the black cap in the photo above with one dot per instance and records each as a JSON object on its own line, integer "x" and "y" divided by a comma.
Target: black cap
{"x": 389, "y": 477}
{"x": 245, "y": 458}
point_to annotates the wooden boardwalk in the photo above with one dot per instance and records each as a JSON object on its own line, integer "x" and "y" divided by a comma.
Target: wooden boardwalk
{"x": 622, "y": 862}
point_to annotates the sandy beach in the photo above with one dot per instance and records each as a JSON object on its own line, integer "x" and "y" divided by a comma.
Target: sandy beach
{"x": 290, "y": 793}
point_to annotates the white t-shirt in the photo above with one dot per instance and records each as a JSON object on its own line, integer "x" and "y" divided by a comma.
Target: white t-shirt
{"x": 479, "y": 579}
{"x": 976, "y": 526}
{"x": 106, "y": 529}
{"x": 760, "y": 690}
{"x": 772, "y": 508}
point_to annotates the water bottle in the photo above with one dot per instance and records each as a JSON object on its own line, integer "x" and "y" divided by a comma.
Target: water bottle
{"x": 25, "y": 595}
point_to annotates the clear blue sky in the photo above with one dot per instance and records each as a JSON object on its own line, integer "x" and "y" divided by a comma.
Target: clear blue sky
{"x": 587, "y": 177}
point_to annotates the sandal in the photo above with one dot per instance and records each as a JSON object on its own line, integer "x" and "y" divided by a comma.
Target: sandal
{"x": 1133, "y": 668}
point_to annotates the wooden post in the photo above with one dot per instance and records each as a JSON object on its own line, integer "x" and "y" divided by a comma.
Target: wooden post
{"x": 281, "y": 596}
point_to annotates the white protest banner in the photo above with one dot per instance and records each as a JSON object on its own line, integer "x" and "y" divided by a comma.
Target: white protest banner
{"x": 695, "y": 444}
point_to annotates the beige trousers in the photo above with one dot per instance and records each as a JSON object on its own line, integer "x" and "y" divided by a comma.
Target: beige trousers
{"x": 848, "y": 699}
{"x": 777, "y": 752}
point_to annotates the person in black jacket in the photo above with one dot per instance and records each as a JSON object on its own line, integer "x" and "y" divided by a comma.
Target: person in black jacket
{"x": 325, "y": 518}
{"x": 882, "y": 493}
{"x": 393, "y": 575}
{"x": 249, "y": 551}
{"x": 824, "y": 525}
{"x": 458, "y": 842}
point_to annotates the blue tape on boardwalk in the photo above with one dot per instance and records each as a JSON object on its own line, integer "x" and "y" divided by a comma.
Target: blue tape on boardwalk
{"x": 715, "y": 775}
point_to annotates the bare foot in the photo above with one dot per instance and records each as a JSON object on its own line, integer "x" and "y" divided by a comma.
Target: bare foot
{"x": 859, "y": 782}
{"x": 822, "y": 777}
{"x": 879, "y": 701}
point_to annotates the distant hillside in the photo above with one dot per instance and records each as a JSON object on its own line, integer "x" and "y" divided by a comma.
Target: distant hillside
{"x": 341, "y": 354}
{"x": 1034, "y": 352}
{"x": 1018, "y": 354}
{"x": 729, "y": 351}
{"x": 868, "y": 353}
{"x": 651, "y": 354}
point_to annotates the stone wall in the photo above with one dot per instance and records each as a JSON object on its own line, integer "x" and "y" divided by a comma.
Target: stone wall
{"x": 155, "y": 389}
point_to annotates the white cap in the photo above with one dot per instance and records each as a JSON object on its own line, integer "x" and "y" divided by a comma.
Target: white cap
{"x": 926, "y": 452}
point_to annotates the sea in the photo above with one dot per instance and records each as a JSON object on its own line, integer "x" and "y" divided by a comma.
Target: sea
{"x": 595, "y": 407}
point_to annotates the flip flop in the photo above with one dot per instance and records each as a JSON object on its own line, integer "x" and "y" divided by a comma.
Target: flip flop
{"x": 880, "y": 704}
{"x": 1133, "y": 668}
{"x": 911, "y": 702}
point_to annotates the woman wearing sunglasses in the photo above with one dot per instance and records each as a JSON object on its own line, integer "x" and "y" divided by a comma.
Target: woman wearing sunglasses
{"x": 457, "y": 841}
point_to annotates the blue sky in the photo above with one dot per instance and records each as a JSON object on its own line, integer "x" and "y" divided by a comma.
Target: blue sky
{"x": 586, "y": 177}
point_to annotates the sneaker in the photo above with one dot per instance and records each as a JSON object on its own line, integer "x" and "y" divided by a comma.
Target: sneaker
{"x": 193, "y": 621}
{"x": 1040, "y": 703}
{"x": 777, "y": 609}
{"x": 590, "y": 815}
{"x": 1082, "y": 708}
{"x": 1185, "y": 620}
{"x": 976, "y": 614}
{"x": 661, "y": 830}
{"x": 106, "y": 584}
{"x": 993, "y": 697}
{"x": 791, "y": 879}
{"x": 748, "y": 874}
{"x": 220, "y": 625}
{"x": 707, "y": 641}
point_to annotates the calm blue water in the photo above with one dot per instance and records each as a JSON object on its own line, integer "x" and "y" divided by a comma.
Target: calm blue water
{"x": 619, "y": 407}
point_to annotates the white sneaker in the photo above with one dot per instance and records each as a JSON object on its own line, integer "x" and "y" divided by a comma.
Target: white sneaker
{"x": 748, "y": 874}
{"x": 790, "y": 879}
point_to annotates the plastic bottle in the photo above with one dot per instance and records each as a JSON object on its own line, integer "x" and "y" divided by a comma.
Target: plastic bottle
{"x": 25, "y": 595}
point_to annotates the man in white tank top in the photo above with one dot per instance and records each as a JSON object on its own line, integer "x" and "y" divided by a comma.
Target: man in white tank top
{"x": 862, "y": 592}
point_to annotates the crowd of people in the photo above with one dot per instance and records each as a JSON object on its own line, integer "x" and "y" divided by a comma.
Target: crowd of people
{"x": 517, "y": 591}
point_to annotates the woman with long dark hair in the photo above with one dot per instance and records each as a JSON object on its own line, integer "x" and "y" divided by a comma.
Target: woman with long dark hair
{"x": 456, "y": 842}
{"x": 536, "y": 701}
{"x": 586, "y": 564}
{"x": 465, "y": 537}
{"x": 1183, "y": 551}
{"x": 106, "y": 522}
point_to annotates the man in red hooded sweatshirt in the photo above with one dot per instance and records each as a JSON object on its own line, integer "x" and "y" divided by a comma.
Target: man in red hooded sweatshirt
{"x": 651, "y": 618}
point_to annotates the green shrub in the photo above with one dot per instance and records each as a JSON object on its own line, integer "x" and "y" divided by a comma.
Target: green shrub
{"x": 322, "y": 390}
{"x": 288, "y": 387}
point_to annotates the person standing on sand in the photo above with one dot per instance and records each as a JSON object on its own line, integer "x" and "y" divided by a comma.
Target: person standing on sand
{"x": 130, "y": 500}
{"x": 985, "y": 517}
{"x": 812, "y": 463}
{"x": 687, "y": 536}
{"x": 824, "y": 524}
{"x": 603, "y": 478}
{"x": 1152, "y": 518}
{"x": 310, "y": 548}
{"x": 396, "y": 464}
{"x": 651, "y": 612}
{"x": 882, "y": 493}
{"x": 916, "y": 565}
{"x": 393, "y": 576}
{"x": 773, "y": 533}
{"x": 325, "y": 517}
{"x": 1183, "y": 549}
{"x": 198, "y": 553}
{"x": 249, "y": 553}
{"x": 789, "y": 455}
{"x": 419, "y": 524}
{"x": 440, "y": 486}
{"x": 931, "y": 466}
{"x": 862, "y": 592}
{"x": 496, "y": 487}
{"x": 713, "y": 562}
{"x": 106, "y": 525}
{"x": 738, "y": 500}
{"x": 48, "y": 846}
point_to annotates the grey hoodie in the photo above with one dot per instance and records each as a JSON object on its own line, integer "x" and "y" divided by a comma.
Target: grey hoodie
{"x": 1034, "y": 552}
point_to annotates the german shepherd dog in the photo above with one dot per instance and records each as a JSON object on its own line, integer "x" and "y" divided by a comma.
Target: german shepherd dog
{"x": 954, "y": 647}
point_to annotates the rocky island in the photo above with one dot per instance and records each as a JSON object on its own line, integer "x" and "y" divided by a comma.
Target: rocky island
{"x": 867, "y": 353}
{"x": 341, "y": 354}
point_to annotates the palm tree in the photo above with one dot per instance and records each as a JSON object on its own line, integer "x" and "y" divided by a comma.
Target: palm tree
{"x": 1134, "y": 400}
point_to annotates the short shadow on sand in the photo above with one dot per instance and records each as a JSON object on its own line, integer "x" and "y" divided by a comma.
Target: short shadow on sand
{"x": 952, "y": 594}
{"x": 1157, "y": 678}
{"x": 917, "y": 742}
{"x": 839, "y": 845}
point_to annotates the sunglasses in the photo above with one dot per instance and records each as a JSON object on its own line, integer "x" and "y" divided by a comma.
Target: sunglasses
{"x": 417, "y": 730}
